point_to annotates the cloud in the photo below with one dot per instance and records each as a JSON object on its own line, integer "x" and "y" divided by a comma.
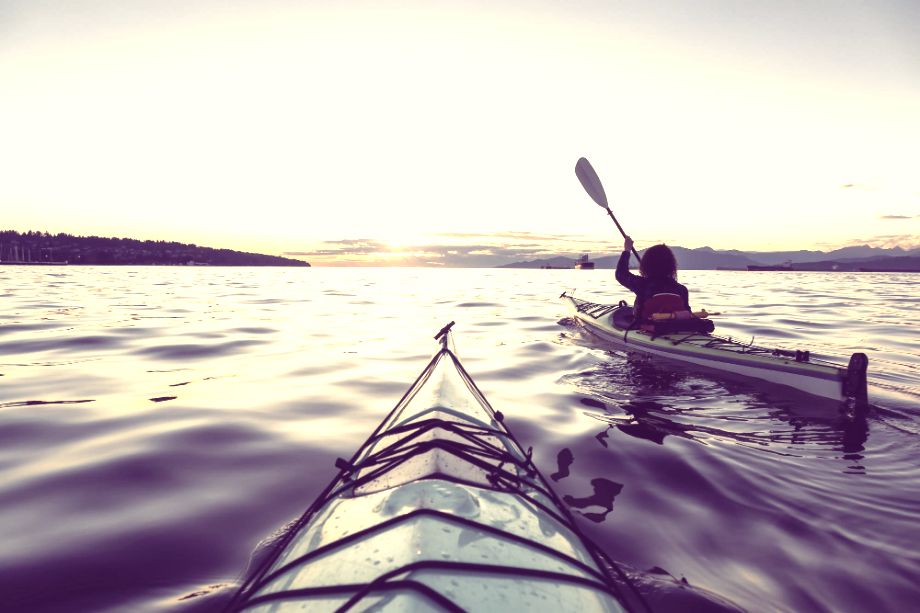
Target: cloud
{"x": 466, "y": 250}
{"x": 474, "y": 250}
{"x": 357, "y": 246}
{"x": 354, "y": 241}
{"x": 511, "y": 236}
{"x": 898, "y": 216}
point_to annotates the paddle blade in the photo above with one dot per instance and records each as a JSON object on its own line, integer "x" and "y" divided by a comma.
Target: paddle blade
{"x": 590, "y": 181}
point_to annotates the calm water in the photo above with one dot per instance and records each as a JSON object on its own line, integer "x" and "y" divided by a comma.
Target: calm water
{"x": 157, "y": 423}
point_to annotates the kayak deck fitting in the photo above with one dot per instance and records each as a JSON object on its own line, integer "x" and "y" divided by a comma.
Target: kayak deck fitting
{"x": 440, "y": 509}
{"x": 794, "y": 369}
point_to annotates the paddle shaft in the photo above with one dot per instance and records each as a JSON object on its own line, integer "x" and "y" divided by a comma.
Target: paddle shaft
{"x": 620, "y": 228}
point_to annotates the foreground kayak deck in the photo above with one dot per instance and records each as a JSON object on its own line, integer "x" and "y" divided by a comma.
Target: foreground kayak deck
{"x": 440, "y": 509}
{"x": 793, "y": 369}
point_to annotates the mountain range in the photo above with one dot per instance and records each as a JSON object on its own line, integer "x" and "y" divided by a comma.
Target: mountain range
{"x": 706, "y": 258}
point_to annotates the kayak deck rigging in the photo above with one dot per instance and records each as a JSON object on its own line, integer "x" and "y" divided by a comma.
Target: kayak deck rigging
{"x": 442, "y": 474}
{"x": 708, "y": 340}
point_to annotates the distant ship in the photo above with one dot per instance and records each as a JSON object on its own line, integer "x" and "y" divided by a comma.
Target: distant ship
{"x": 786, "y": 266}
{"x": 584, "y": 263}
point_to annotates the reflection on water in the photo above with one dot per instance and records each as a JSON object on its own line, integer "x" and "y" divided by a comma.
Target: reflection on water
{"x": 157, "y": 423}
{"x": 683, "y": 404}
{"x": 760, "y": 453}
{"x": 604, "y": 492}
{"x": 564, "y": 460}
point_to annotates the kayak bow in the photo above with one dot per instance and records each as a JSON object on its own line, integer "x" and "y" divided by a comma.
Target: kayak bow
{"x": 440, "y": 509}
{"x": 794, "y": 369}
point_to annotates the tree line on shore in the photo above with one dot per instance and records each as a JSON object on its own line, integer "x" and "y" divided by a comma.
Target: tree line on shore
{"x": 43, "y": 247}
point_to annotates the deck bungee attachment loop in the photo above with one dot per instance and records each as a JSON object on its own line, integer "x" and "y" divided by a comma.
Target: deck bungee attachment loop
{"x": 442, "y": 333}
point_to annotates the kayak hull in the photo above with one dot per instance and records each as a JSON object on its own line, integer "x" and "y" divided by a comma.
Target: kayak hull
{"x": 786, "y": 368}
{"x": 440, "y": 509}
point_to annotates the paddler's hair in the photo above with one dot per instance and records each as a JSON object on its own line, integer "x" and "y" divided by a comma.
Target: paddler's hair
{"x": 658, "y": 262}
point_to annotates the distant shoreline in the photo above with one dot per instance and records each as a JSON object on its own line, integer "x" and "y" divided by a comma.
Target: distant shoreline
{"x": 41, "y": 248}
{"x": 849, "y": 259}
{"x": 196, "y": 265}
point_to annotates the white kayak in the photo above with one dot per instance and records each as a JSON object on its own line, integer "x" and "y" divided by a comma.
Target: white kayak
{"x": 440, "y": 509}
{"x": 795, "y": 369}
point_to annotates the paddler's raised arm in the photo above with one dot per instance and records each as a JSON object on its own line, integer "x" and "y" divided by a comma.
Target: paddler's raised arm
{"x": 623, "y": 276}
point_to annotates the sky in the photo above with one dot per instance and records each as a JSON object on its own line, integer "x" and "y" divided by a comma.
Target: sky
{"x": 366, "y": 133}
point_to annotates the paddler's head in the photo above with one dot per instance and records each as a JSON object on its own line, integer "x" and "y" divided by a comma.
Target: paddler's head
{"x": 658, "y": 262}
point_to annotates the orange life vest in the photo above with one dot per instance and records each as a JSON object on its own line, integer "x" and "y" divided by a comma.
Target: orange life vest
{"x": 662, "y": 303}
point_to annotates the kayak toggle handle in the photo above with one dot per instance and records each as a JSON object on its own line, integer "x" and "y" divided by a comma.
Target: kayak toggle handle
{"x": 444, "y": 330}
{"x": 344, "y": 465}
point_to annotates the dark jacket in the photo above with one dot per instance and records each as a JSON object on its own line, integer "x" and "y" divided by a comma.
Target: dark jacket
{"x": 646, "y": 288}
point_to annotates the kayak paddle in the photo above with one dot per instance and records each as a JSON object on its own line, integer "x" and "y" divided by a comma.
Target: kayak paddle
{"x": 592, "y": 184}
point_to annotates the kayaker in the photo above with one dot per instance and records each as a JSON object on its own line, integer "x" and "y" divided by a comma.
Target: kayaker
{"x": 657, "y": 289}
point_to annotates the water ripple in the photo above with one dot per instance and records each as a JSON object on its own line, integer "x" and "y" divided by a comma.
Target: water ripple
{"x": 189, "y": 350}
{"x": 167, "y": 419}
